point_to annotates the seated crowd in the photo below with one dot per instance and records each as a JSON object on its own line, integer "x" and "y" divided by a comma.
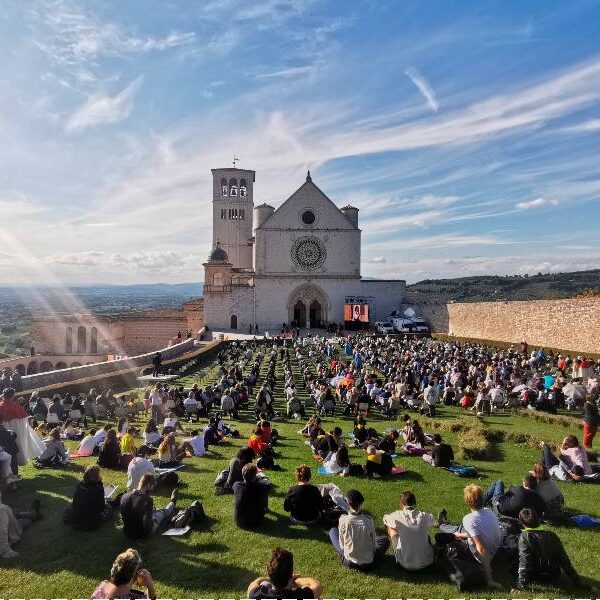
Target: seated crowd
{"x": 373, "y": 376}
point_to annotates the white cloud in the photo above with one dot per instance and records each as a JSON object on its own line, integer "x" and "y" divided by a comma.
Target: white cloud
{"x": 376, "y": 260}
{"x": 424, "y": 87}
{"x": 585, "y": 127}
{"x": 99, "y": 109}
{"x": 537, "y": 203}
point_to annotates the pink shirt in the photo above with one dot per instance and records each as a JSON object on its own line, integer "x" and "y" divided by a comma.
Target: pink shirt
{"x": 577, "y": 457}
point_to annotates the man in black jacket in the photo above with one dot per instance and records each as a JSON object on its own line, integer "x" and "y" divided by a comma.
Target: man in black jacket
{"x": 442, "y": 454}
{"x": 542, "y": 556}
{"x": 251, "y": 498}
{"x": 518, "y": 497}
{"x": 140, "y": 518}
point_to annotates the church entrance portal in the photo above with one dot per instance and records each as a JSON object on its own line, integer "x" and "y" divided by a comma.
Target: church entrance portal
{"x": 308, "y": 306}
{"x": 300, "y": 314}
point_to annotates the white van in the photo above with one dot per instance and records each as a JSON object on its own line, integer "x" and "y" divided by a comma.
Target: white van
{"x": 415, "y": 325}
{"x": 384, "y": 327}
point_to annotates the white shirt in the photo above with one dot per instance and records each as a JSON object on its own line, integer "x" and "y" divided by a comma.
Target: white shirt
{"x": 99, "y": 437}
{"x": 156, "y": 399}
{"x": 357, "y": 538}
{"x": 413, "y": 549}
{"x": 197, "y": 443}
{"x": 483, "y": 524}
{"x": 137, "y": 468}
{"x": 151, "y": 437}
{"x": 170, "y": 422}
{"x": 88, "y": 443}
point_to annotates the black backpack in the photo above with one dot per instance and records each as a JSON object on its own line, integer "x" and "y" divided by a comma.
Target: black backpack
{"x": 458, "y": 564}
{"x": 265, "y": 462}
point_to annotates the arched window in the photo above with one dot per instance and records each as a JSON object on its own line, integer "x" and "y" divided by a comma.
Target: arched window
{"x": 32, "y": 368}
{"x": 69, "y": 341}
{"x": 81, "y": 340}
{"x": 218, "y": 279}
{"x": 233, "y": 190}
{"x": 46, "y": 366}
{"x": 242, "y": 188}
{"x": 233, "y": 321}
{"x": 224, "y": 189}
{"x": 94, "y": 341}
{"x": 61, "y": 365}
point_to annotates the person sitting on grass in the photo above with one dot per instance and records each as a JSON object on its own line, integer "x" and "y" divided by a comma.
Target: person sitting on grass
{"x": 234, "y": 473}
{"x": 355, "y": 539}
{"x": 170, "y": 453}
{"x": 542, "y": 557}
{"x": 138, "y": 467}
{"x": 140, "y": 518}
{"x": 518, "y": 497}
{"x": 563, "y": 471}
{"x": 548, "y": 491}
{"x": 378, "y": 462}
{"x": 574, "y": 455}
{"x": 441, "y": 455}
{"x": 172, "y": 424}
{"x": 12, "y": 525}
{"x": 128, "y": 442}
{"x": 257, "y": 444}
{"x": 72, "y": 432}
{"x": 109, "y": 456}
{"x": 281, "y": 582}
{"x": 251, "y": 498}
{"x": 152, "y": 436}
{"x": 126, "y": 572}
{"x": 55, "y": 455}
{"x": 196, "y": 442}
{"x": 338, "y": 463}
{"x": 304, "y": 501}
{"x": 408, "y": 529}
{"x": 89, "y": 509}
{"x": 328, "y": 444}
{"x": 480, "y": 531}
{"x": 388, "y": 443}
{"x": 88, "y": 445}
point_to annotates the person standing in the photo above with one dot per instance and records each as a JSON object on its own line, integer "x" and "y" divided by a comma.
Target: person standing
{"x": 16, "y": 419}
{"x": 591, "y": 420}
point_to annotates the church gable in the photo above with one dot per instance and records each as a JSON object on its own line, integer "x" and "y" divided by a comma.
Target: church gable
{"x": 308, "y": 208}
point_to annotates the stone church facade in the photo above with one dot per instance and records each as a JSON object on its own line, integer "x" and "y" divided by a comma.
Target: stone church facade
{"x": 298, "y": 263}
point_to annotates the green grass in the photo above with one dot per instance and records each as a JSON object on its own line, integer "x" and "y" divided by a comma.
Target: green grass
{"x": 219, "y": 560}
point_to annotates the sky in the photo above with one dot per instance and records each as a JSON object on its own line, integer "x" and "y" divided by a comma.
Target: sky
{"x": 468, "y": 134}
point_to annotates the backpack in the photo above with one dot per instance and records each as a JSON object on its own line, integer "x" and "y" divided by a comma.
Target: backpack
{"x": 458, "y": 564}
{"x": 192, "y": 515}
{"x": 265, "y": 462}
{"x": 169, "y": 479}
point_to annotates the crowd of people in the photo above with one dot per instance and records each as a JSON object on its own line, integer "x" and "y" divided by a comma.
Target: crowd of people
{"x": 359, "y": 376}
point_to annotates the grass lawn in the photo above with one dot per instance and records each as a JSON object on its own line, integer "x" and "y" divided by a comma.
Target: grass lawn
{"x": 219, "y": 560}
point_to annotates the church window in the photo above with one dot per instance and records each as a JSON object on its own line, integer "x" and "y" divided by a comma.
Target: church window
{"x": 234, "y": 322}
{"x": 242, "y": 214}
{"x": 233, "y": 190}
{"x": 308, "y": 217}
{"x": 242, "y": 188}
{"x": 218, "y": 279}
{"x": 224, "y": 188}
{"x": 223, "y": 213}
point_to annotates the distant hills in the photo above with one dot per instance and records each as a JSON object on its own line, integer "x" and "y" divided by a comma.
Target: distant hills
{"x": 511, "y": 287}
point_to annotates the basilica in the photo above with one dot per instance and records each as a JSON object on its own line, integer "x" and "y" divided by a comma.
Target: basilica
{"x": 299, "y": 263}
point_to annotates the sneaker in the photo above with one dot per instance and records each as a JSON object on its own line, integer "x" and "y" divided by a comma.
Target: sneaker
{"x": 442, "y": 517}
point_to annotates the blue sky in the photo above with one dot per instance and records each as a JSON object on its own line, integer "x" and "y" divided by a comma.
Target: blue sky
{"x": 468, "y": 134}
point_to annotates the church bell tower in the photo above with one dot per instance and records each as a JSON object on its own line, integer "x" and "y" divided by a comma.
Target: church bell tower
{"x": 233, "y": 208}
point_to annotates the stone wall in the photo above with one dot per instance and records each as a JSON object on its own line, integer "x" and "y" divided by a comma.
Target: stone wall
{"x": 104, "y": 369}
{"x": 572, "y": 324}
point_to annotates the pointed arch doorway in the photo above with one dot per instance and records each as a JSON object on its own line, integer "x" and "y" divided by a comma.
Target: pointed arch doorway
{"x": 300, "y": 314}
{"x": 308, "y": 306}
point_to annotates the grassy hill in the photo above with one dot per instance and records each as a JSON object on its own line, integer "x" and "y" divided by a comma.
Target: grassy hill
{"x": 511, "y": 287}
